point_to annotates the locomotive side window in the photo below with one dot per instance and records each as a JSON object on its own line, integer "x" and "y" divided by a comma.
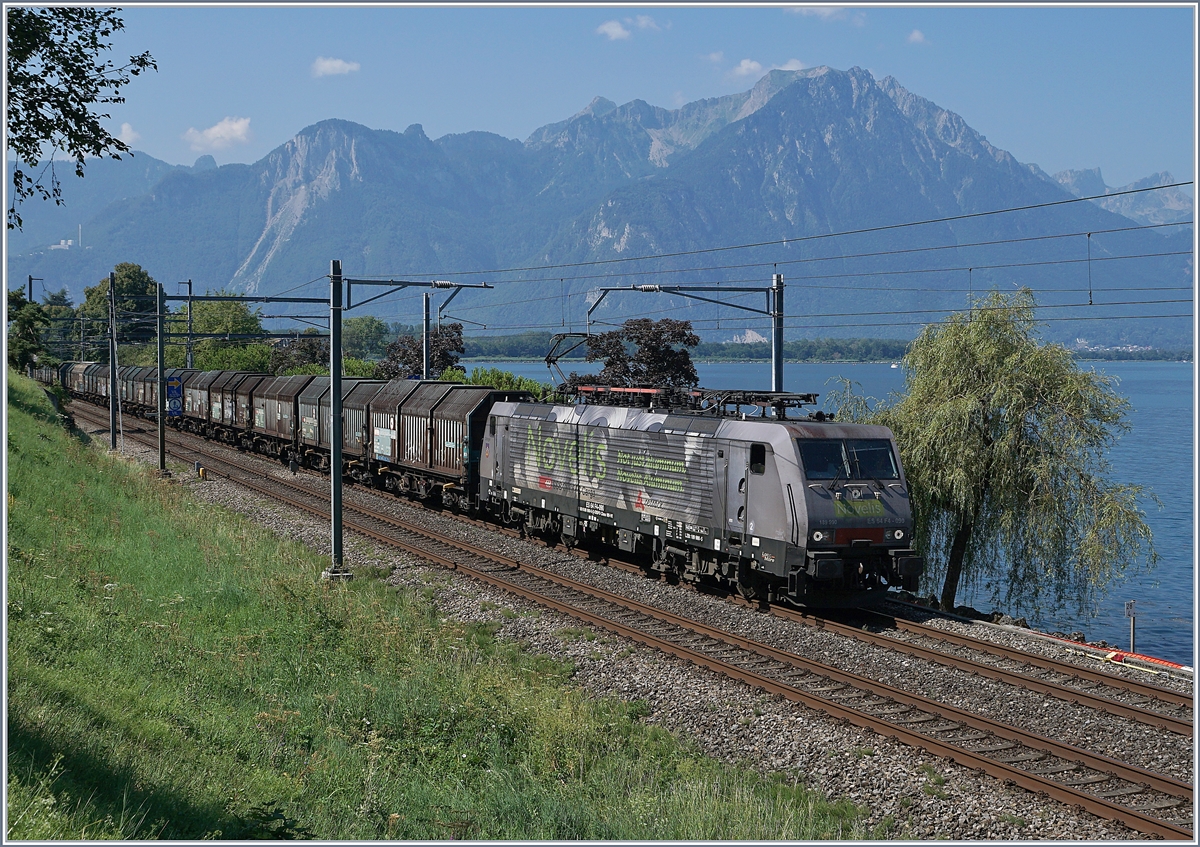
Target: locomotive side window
{"x": 758, "y": 458}
{"x": 872, "y": 458}
{"x": 491, "y": 424}
{"x": 823, "y": 458}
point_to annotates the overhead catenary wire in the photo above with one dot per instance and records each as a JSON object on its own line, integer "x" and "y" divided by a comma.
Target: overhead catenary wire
{"x": 812, "y": 259}
{"x": 836, "y": 258}
{"x": 875, "y": 254}
{"x": 794, "y": 240}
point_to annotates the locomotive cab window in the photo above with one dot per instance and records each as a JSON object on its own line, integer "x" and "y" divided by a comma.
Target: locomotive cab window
{"x": 758, "y": 458}
{"x": 872, "y": 458}
{"x": 491, "y": 425}
{"x": 852, "y": 458}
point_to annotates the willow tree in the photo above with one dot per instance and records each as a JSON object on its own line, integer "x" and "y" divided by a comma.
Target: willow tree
{"x": 1004, "y": 442}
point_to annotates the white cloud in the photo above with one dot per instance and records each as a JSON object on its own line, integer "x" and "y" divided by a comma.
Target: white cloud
{"x": 916, "y": 37}
{"x": 331, "y": 67}
{"x": 716, "y": 58}
{"x": 830, "y": 13}
{"x": 791, "y": 65}
{"x": 228, "y": 132}
{"x": 825, "y": 13}
{"x": 645, "y": 22}
{"x": 128, "y": 134}
{"x": 747, "y": 67}
{"x": 613, "y": 30}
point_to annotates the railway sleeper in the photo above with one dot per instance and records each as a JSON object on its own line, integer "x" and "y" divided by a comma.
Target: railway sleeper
{"x": 1019, "y": 758}
{"x": 1123, "y": 791}
{"x": 854, "y": 694}
{"x": 995, "y": 748}
{"x": 1158, "y": 805}
{"x": 1061, "y": 767}
{"x": 1090, "y": 779}
{"x": 975, "y": 735}
{"x": 920, "y": 717}
{"x": 877, "y": 704}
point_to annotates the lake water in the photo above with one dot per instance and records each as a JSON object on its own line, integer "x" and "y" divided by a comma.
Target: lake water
{"x": 1156, "y": 453}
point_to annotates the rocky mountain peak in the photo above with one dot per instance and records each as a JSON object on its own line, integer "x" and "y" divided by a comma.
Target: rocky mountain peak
{"x": 1149, "y": 207}
{"x": 1082, "y": 183}
{"x": 599, "y": 107}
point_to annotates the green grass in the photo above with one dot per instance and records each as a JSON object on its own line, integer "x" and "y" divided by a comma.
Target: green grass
{"x": 175, "y": 671}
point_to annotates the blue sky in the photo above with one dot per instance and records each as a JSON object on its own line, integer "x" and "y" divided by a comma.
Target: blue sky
{"x": 1060, "y": 87}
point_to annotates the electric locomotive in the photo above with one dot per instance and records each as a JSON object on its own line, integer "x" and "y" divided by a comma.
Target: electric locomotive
{"x": 808, "y": 510}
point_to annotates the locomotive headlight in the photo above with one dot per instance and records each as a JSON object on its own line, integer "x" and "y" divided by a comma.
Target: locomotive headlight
{"x": 893, "y": 535}
{"x": 820, "y": 535}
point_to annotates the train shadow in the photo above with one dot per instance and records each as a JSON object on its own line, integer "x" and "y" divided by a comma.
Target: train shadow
{"x": 111, "y": 789}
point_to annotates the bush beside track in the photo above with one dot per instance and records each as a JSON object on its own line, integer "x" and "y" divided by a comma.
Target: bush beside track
{"x": 176, "y": 671}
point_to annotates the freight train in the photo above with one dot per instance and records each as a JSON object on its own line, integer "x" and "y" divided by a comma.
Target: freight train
{"x": 801, "y": 509}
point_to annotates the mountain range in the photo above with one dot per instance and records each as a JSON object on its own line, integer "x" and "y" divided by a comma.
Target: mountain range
{"x": 826, "y": 170}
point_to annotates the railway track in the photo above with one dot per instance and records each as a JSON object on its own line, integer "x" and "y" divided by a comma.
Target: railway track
{"x": 1148, "y": 802}
{"x": 1150, "y": 704}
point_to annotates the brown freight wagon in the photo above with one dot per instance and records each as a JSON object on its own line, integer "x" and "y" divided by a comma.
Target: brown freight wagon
{"x": 276, "y": 413}
{"x": 196, "y": 409}
{"x": 457, "y": 425}
{"x": 356, "y": 426}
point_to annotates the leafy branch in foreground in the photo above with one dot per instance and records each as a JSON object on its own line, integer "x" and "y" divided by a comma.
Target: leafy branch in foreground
{"x": 55, "y": 78}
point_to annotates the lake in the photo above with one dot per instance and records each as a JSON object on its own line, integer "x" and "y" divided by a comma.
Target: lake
{"x": 1156, "y": 453}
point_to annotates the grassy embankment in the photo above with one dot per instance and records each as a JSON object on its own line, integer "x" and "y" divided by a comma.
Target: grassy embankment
{"x": 175, "y": 671}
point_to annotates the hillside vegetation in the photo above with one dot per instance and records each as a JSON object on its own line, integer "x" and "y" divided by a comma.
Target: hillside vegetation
{"x": 175, "y": 671}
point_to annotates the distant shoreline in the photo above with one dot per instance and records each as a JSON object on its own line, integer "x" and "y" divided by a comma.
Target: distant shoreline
{"x": 1173, "y": 357}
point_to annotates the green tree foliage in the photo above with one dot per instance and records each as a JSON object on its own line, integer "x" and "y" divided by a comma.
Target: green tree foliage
{"x": 358, "y": 368}
{"x": 1004, "y": 442}
{"x": 808, "y": 350}
{"x": 235, "y": 357}
{"x": 58, "y": 299}
{"x": 221, "y": 316}
{"x": 231, "y": 318}
{"x": 405, "y": 356}
{"x": 136, "y": 323}
{"x": 303, "y": 351}
{"x": 55, "y": 76}
{"x": 496, "y": 378}
{"x": 61, "y": 336}
{"x": 506, "y": 381}
{"x": 26, "y": 321}
{"x": 364, "y": 337}
{"x": 659, "y": 357}
{"x": 526, "y": 345}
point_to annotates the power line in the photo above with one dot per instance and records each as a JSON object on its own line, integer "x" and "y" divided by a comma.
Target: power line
{"x": 874, "y": 254}
{"x": 794, "y": 324}
{"x": 806, "y": 238}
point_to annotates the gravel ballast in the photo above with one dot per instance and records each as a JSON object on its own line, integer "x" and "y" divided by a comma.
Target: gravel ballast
{"x": 921, "y": 795}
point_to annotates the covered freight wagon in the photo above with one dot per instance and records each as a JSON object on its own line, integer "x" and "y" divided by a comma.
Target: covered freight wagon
{"x": 276, "y": 412}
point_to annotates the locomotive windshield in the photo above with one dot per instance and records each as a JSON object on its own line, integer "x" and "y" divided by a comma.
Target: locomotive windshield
{"x": 850, "y": 458}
